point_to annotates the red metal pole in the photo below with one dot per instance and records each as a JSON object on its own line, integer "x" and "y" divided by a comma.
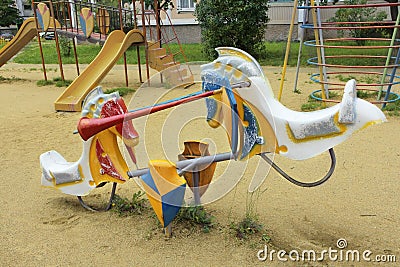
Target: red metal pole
{"x": 89, "y": 127}
{"x": 57, "y": 43}
{"x": 137, "y": 47}
{"x": 122, "y": 28}
{"x": 39, "y": 41}
{"x": 73, "y": 39}
{"x": 146, "y": 45}
{"x": 158, "y": 19}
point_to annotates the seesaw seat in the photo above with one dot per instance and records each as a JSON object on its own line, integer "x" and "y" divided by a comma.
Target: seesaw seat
{"x": 329, "y": 120}
{"x": 56, "y": 169}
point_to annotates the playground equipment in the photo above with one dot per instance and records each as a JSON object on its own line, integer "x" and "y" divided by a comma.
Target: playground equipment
{"x": 25, "y": 34}
{"x": 141, "y": 33}
{"x": 114, "y": 47}
{"x": 120, "y": 29}
{"x": 115, "y": 27}
{"x": 238, "y": 96}
{"x": 373, "y": 72}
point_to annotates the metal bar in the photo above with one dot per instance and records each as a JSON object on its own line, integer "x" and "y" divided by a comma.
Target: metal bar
{"x": 354, "y": 47}
{"x": 146, "y": 45}
{"x": 316, "y": 36}
{"x": 189, "y": 164}
{"x": 87, "y": 127}
{"x": 299, "y": 183}
{"x": 76, "y": 15}
{"x": 357, "y": 22}
{"x": 74, "y": 38}
{"x": 289, "y": 39}
{"x": 348, "y": 6}
{"x": 57, "y": 42}
{"x": 122, "y": 29}
{"x": 304, "y": 19}
{"x": 196, "y": 191}
{"x": 233, "y": 86}
{"x": 39, "y": 41}
{"x": 138, "y": 64}
{"x": 352, "y": 67}
{"x": 389, "y": 54}
{"x": 310, "y": 26}
{"x": 158, "y": 20}
{"x": 137, "y": 47}
{"x": 76, "y": 55}
{"x": 109, "y": 205}
{"x": 321, "y": 40}
{"x": 393, "y": 75}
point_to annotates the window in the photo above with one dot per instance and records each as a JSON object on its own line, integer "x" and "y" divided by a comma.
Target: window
{"x": 186, "y": 5}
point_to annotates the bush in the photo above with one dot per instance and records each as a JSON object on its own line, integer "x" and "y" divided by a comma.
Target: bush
{"x": 237, "y": 23}
{"x": 65, "y": 45}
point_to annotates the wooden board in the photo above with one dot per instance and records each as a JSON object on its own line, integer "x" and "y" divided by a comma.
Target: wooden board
{"x": 43, "y": 16}
{"x": 87, "y": 21}
{"x": 103, "y": 20}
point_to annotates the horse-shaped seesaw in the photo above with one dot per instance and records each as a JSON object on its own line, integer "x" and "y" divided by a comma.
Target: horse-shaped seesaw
{"x": 239, "y": 96}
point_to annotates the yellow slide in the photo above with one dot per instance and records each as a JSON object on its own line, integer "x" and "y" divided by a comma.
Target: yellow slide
{"x": 22, "y": 38}
{"x": 114, "y": 47}
{"x": 24, "y": 35}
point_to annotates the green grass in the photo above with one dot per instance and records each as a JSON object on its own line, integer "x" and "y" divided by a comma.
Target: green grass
{"x": 393, "y": 109}
{"x": 58, "y": 82}
{"x": 31, "y": 54}
{"x": 196, "y": 215}
{"x": 44, "y": 83}
{"x": 311, "y": 105}
{"x": 12, "y": 79}
{"x": 367, "y": 94}
{"x": 274, "y": 56}
{"x": 122, "y": 90}
{"x": 365, "y": 78}
{"x": 87, "y": 52}
{"x": 249, "y": 226}
{"x": 137, "y": 205}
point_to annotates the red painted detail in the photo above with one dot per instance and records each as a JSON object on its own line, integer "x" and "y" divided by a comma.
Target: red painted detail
{"x": 107, "y": 167}
{"x": 131, "y": 154}
{"x": 117, "y": 107}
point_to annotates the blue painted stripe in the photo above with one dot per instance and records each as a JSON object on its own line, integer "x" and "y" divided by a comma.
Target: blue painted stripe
{"x": 148, "y": 179}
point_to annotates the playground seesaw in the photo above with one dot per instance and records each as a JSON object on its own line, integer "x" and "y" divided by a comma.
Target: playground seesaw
{"x": 239, "y": 97}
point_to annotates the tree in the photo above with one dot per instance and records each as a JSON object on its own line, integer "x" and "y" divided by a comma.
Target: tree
{"x": 8, "y": 13}
{"x": 237, "y": 23}
{"x": 161, "y": 3}
{"x": 360, "y": 14}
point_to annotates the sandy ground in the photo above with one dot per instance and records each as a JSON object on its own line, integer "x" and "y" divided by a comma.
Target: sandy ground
{"x": 43, "y": 227}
